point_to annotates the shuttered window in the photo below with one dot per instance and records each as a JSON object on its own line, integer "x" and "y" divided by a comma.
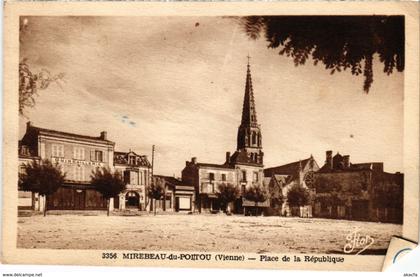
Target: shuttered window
{"x": 78, "y": 153}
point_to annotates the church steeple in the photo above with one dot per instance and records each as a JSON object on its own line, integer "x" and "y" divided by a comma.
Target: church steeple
{"x": 249, "y": 134}
{"x": 249, "y": 115}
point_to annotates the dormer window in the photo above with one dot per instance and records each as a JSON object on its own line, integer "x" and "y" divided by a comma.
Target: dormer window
{"x": 132, "y": 160}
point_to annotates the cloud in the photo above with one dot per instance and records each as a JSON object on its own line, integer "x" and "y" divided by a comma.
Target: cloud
{"x": 167, "y": 82}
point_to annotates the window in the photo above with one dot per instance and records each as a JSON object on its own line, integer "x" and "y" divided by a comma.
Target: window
{"x": 78, "y": 153}
{"x": 141, "y": 177}
{"x": 223, "y": 177}
{"x": 243, "y": 179}
{"x": 127, "y": 177}
{"x": 57, "y": 150}
{"x": 97, "y": 155}
{"x": 255, "y": 179}
{"x": 211, "y": 176}
{"x": 254, "y": 138}
{"x": 132, "y": 160}
{"x": 134, "y": 178}
{"x": 79, "y": 173}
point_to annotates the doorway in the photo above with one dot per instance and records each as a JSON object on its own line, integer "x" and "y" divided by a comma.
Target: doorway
{"x": 132, "y": 200}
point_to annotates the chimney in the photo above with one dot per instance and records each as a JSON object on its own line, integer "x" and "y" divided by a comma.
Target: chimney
{"x": 103, "y": 135}
{"x": 227, "y": 157}
{"x": 346, "y": 161}
{"x": 194, "y": 160}
{"x": 28, "y": 125}
{"x": 329, "y": 161}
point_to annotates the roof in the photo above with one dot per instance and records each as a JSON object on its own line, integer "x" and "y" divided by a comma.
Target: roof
{"x": 280, "y": 178}
{"x": 287, "y": 169}
{"x": 173, "y": 182}
{"x": 266, "y": 180}
{"x": 241, "y": 157}
{"x": 224, "y": 166}
{"x": 50, "y": 132}
{"x": 121, "y": 158}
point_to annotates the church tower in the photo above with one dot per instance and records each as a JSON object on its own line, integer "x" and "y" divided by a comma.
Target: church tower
{"x": 249, "y": 141}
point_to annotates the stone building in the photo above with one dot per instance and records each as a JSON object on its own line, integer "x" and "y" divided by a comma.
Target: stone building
{"x": 357, "y": 191}
{"x": 243, "y": 168}
{"x": 206, "y": 178}
{"x": 136, "y": 171}
{"x": 284, "y": 177}
{"x": 78, "y": 156}
{"x": 178, "y": 196}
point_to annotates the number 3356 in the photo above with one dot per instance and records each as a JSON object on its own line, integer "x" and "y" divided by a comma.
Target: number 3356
{"x": 109, "y": 255}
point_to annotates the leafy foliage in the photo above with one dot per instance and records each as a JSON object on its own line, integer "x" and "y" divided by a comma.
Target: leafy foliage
{"x": 227, "y": 193}
{"x": 256, "y": 193}
{"x": 339, "y": 42}
{"x": 30, "y": 82}
{"x": 275, "y": 195}
{"x": 42, "y": 177}
{"x": 298, "y": 196}
{"x": 156, "y": 189}
{"x": 107, "y": 183}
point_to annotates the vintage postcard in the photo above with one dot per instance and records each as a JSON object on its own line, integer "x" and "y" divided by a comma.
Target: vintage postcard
{"x": 229, "y": 135}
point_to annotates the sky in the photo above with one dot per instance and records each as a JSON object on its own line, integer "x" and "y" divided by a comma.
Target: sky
{"x": 178, "y": 83}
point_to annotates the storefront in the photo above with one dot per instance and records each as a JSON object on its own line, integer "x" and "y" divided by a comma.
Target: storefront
{"x": 76, "y": 197}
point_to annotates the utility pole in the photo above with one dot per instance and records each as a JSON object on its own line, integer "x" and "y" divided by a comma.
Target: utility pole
{"x": 153, "y": 158}
{"x": 152, "y": 201}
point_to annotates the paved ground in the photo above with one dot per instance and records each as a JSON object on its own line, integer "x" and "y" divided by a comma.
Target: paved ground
{"x": 197, "y": 233}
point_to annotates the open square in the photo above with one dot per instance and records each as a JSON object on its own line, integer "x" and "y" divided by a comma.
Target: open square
{"x": 182, "y": 232}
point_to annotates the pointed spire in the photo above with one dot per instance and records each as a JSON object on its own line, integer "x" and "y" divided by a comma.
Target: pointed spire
{"x": 249, "y": 115}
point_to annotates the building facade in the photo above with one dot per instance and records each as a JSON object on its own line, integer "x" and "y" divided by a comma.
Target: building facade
{"x": 77, "y": 156}
{"x": 136, "y": 172}
{"x": 178, "y": 196}
{"x": 360, "y": 191}
{"x": 206, "y": 178}
{"x": 284, "y": 177}
{"x": 242, "y": 169}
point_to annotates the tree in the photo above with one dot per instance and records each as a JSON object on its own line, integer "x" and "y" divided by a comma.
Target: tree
{"x": 30, "y": 82}
{"x": 276, "y": 196}
{"x": 41, "y": 177}
{"x": 298, "y": 196}
{"x": 156, "y": 191}
{"x": 107, "y": 183}
{"x": 227, "y": 193}
{"x": 339, "y": 42}
{"x": 256, "y": 193}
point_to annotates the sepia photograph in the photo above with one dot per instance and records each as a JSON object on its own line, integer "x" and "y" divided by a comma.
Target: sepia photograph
{"x": 257, "y": 133}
